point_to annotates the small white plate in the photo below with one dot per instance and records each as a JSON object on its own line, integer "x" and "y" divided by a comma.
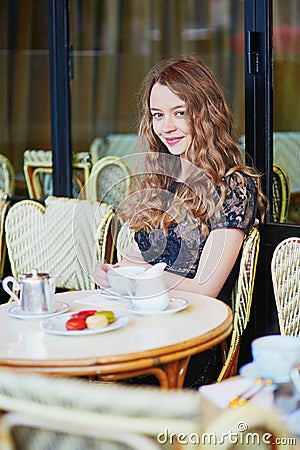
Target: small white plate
{"x": 175, "y": 305}
{"x": 57, "y": 325}
{"x": 251, "y": 370}
{"x": 16, "y": 311}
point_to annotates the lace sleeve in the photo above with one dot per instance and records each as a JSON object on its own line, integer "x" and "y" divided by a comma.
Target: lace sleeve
{"x": 240, "y": 206}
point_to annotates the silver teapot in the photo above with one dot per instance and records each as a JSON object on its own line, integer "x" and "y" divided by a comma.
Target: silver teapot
{"x": 36, "y": 291}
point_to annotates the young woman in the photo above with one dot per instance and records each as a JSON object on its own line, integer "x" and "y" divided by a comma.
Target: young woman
{"x": 195, "y": 200}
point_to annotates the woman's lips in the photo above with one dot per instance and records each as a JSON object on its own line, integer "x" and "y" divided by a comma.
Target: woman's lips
{"x": 173, "y": 141}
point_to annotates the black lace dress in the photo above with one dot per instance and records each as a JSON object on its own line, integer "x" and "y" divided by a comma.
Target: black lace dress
{"x": 181, "y": 249}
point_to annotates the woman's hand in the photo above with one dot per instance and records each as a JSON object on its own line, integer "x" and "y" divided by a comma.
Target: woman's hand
{"x": 100, "y": 270}
{"x": 100, "y": 274}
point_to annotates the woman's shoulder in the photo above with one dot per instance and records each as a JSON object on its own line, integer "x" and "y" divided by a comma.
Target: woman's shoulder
{"x": 239, "y": 176}
{"x": 240, "y": 180}
{"x": 239, "y": 207}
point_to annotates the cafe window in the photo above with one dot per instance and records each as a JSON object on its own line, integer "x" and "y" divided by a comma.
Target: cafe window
{"x": 114, "y": 44}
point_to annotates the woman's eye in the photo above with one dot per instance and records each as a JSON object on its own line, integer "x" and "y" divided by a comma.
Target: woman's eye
{"x": 180, "y": 113}
{"x": 157, "y": 115}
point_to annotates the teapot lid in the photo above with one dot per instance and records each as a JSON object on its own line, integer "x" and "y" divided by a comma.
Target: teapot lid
{"x": 35, "y": 275}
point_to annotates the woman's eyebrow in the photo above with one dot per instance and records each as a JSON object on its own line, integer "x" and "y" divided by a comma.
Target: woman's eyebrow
{"x": 153, "y": 108}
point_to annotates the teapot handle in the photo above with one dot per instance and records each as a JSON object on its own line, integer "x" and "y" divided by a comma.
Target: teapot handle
{"x": 8, "y": 290}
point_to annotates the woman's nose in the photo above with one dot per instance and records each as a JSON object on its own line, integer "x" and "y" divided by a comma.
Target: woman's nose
{"x": 169, "y": 124}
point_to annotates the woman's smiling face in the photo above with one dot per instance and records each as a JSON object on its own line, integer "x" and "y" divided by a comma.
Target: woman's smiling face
{"x": 169, "y": 120}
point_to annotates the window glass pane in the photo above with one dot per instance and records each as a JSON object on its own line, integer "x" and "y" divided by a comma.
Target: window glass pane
{"x": 115, "y": 44}
{"x": 286, "y": 139}
{"x": 24, "y": 81}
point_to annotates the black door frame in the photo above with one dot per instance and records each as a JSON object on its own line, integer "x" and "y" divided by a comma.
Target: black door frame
{"x": 259, "y": 144}
{"x": 61, "y": 134}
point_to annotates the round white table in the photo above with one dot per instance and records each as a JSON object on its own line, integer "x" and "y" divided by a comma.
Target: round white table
{"x": 159, "y": 344}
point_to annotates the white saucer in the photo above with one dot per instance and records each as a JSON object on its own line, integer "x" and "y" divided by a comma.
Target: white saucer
{"x": 175, "y": 305}
{"x": 16, "y": 311}
{"x": 57, "y": 325}
{"x": 250, "y": 370}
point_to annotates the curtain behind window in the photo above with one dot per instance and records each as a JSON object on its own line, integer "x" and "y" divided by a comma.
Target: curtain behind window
{"x": 115, "y": 42}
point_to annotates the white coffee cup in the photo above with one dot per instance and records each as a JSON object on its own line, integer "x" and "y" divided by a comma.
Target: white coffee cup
{"x": 123, "y": 279}
{"x": 275, "y": 356}
{"x": 151, "y": 293}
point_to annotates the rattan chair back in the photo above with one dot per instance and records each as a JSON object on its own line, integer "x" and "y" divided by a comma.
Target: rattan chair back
{"x": 66, "y": 237}
{"x": 109, "y": 181}
{"x": 4, "y": 206}
{"x": 285, "y": 270}
{"x": 37, "y": 166}
{"x": 242, "y": 300}
{"x": 7, "y": 175}
{"x": 280, "y": 194}
{"x": 124, "y": 240}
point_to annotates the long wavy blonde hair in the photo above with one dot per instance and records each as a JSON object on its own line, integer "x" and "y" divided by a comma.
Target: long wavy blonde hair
{"x": 213, "y": 155}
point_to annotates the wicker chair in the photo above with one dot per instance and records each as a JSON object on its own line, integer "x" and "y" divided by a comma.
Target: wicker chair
{"x": 7, "y": 175}
{"x": 280, "y": 194}
{"x": 42, "y": 413}
{"x": 124, "y": 241}
{"x": 285, "y": 270}
{"x": 64, "y": 237}
{"x": 109, "y": 181}
{"x": 4, "y": 206}
{"x": 241, "y": 300}
{"x": 37, "y": 166}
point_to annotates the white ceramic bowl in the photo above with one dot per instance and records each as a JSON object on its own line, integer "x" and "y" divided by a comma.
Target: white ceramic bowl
{"x": 123, "y": 279}
{"x": 275, "y": 356}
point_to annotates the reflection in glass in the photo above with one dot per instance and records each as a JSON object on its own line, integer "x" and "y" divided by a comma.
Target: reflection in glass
{"x": 286, "y": 138}
{"x": 114, "y": 45}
